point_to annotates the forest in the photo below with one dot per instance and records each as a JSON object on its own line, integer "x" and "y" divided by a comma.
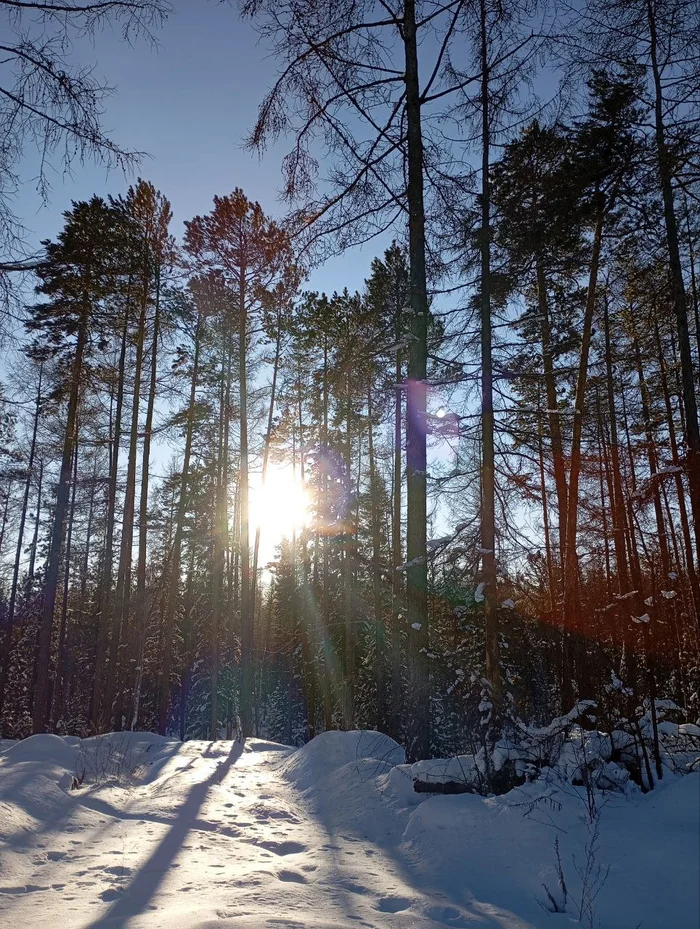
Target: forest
{"x": 487, "y": 458}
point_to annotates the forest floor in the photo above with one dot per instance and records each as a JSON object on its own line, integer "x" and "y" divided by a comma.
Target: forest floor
{"x": 199, "y": 834}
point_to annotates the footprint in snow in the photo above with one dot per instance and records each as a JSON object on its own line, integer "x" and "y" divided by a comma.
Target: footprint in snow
{"x": 110, "y": 894}
{"x": 352, "y": 888}
{"x": 393, "y": 904}
{"x": 293, "y": 877}
{"x": 118, "y": 870}
{"x": 283, "y": 848}
{"x": 449, "y": 915}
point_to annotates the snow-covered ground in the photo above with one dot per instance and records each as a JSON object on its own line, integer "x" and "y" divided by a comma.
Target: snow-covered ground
{"x": 200, "y": 834}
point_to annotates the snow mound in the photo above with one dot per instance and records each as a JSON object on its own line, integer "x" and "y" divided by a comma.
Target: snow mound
{"x": 332, "y": 750}
{"x": 263, "y": 745}
{"x": 44, "y": 749}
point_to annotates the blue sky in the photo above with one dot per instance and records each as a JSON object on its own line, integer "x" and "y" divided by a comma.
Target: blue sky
{"x": 188, "y": 104}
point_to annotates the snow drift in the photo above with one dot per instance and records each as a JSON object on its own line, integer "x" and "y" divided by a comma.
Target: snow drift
{"x": 160, "y": 834}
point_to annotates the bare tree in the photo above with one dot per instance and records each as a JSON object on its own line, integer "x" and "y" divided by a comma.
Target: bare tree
{"x": 51, "y": 105}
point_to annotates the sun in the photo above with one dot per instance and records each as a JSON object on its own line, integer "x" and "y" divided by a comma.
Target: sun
{"x": 279, "y": 508}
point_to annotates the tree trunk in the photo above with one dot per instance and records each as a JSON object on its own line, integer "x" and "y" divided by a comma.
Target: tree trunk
{"x": 416, "y": 460}
{"x": 488, "y": 474}
{"x": 140, "y": 613}
{"x": 118, "y": 670}
{"x": 247, "y": 672}
{"x": 617, "y": 499}
{"x": 397, "y": 586}
{"x": 6, "y": 643}
{"x": 266, "y": 457}
{"x": 349, "y": 655}
{"x": 100, "y": 712}
{"x": 173, "y": 571}
{"x": 63, "y": 651}
{"x": 41, "y": 690}
{"x": 572, "y": 601}
{"x": 379, "y": 632}
{"x": 218, "y": 543}
{"x": 678, "y": 284}
{"x": 680, "y": 490}
{"x": 552, "y": 408}
{"x": 37, "y": 525}
{"x": 651, "y": 458}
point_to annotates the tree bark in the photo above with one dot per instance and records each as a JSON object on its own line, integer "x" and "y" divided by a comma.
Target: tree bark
{"x": 416, "y": 459}
{"x": 64, "y": 655}
{"x": 41, "y": 691}
{"x": 99, "y": 711}
{"x": 247, "y": 672}
{"x": 572, "y": 601}
{"x": 550, "y": 383}
{"x": 6, "y": 643}
{"x": 173, "y": 569}
{"x": 488, "y": 474}
{"x": 140, "y": 612}
{"x": 678, "y": 284}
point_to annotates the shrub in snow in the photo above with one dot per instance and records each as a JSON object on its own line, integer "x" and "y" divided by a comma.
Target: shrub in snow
{"x": 570, "y": 750}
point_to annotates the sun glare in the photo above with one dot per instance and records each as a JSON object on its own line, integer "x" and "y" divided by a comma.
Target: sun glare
{"x": 279, "y": 508}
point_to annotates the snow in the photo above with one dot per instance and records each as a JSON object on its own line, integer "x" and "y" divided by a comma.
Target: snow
{"x": 479, "y": 592}
{"x": 644, "y": 618}
{"x": 199, "y": 835}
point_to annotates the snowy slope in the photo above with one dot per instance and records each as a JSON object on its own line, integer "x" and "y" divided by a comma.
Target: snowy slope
{"x": 194, "y": 835}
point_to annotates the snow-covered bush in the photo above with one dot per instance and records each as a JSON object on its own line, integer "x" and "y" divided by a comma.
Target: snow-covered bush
{"x": 640, "y": 750}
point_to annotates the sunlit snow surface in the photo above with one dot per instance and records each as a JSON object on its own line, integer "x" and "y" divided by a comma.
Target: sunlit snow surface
{"x": 193, "y": 835}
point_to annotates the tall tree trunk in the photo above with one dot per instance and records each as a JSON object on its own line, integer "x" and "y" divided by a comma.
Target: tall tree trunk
{"x": 6, "y": 643}
{"x": 397, "y": 586}
{"x": 679, "y": 298}
{"x": 247, "y": 672}
{"x": 488, "y": 474}
{"x": 680, "y": 490}
{"x": 5, "y": 514}
{"x": 41, "y": 690}
{"x": 604, "y": 508}
{"x": 118, "y": 671}
{"x": 218, "y": 543}
{"x": 379, "y": 631}
{"x": 173, "y": 569}
{"x": 187, "y": 648}
{"x": 100, "y": 712}
{"x": 617, "y": 499}
{"x": 545, "y": 523}
{"x": 552, "y": 408}
{"x": 266, "y": 457}
{"x": 309, "y": 630}
{"x": 416, "y": 458}
{"x": 330, "y": 682}
{"x": 350, "y": 651}
{"x": 64, "y": 656}
{"x": 651, "y": 458}
{"x": 693, "y": 281}
{"x": 140, "y": 613}
{"x": 572, "y": 601}
{"x": 37, "y": 526}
